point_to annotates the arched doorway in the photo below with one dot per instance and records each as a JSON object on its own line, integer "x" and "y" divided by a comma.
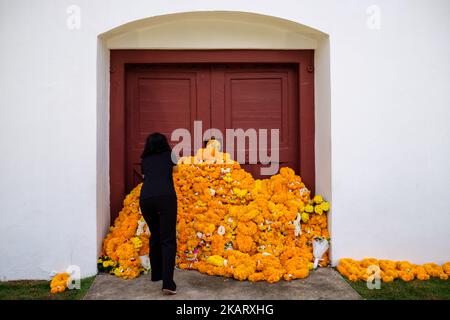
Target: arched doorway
{"x": 252, "y": 38}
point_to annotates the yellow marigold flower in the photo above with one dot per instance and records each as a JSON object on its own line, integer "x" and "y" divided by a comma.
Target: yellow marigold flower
{"x": 136, "y": 242}
{"x": 325, "y": 206}
{"x": 353, "y": 278}
{"x": 318, "y": 209}
{"x": 309, "y": 208}
{"x": 446, "y": 268}
{"x": 216, "y": 260}
{"x": 59, "y": 282}
{"x": 305, "y": 217}
{"x": 423, "y": 276}
{"x": 240, "y": 192}
{"x": 318, "y": 199}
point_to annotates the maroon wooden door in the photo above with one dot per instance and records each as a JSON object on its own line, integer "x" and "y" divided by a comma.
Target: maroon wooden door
{"x": 161, "y": 90}
{"x": 258, "y": 96}
{"x": 162, "y": 99}
{"x": 223, "y": 96}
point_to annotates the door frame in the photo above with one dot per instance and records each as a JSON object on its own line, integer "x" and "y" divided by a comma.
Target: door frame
{"x": 304, "y": 59}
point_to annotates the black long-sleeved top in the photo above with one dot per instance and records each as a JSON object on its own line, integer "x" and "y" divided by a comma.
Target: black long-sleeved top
{"x": 157, "y": 171}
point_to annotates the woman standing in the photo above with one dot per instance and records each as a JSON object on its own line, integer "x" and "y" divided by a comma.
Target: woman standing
{"x": 158, "y": 203}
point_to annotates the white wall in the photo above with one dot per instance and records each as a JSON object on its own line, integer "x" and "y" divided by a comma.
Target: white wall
{"x": 103, "y": 187}
{"x": 389, "y": 95}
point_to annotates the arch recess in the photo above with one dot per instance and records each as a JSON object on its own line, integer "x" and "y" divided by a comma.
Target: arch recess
{"x": 213, "y": 30}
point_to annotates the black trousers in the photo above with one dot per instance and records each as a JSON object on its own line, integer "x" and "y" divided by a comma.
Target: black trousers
{"x": 160, "y": 213}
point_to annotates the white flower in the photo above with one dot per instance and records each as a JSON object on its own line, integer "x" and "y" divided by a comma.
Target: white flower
{"x": 303, "y": 191}
{"x": 227, "y": 170}
{"x": 212, "y": 192}
{"x": 221, "y": 230}
{"x": 266, "y": 254}
{"x": 142, "y": 227}
{"x": 145, "y": 262}
{"x": 199, "y": 235}
{"x": 225, "y": 262}
{"x": 320, "y": 246}
{"x": 297, "y": 226}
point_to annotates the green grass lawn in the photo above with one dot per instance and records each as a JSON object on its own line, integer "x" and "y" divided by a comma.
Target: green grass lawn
{"x": 40, "y": 290}
{"x": 433, "y": 289}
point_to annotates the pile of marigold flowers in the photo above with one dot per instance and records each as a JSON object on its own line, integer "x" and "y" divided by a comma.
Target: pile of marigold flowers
{"x": 229, "y": 224}
{"x": 126, "y": 247}
{"x": 391, "y": 270}
{"x": 59, "y": 282}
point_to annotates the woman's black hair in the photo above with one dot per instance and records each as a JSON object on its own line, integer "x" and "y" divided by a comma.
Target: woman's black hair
{"x": 156, "y": 143}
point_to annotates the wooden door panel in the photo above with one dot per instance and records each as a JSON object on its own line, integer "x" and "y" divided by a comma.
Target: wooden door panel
{"x": 162, "y": 99}
{"x": 258, "y": 97}
{"x": 162, "y": 105}
{"x": 223, "y": 96}
{"x": 255, "y": 102}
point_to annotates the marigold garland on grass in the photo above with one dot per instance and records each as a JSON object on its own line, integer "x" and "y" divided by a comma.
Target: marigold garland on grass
{"x": 229, "y": 224}
{"x": 390, "y": 270}
{"x": 59, "y": 282}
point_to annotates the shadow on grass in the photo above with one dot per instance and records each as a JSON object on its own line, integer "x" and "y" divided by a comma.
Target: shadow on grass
{"x": 40, "y": 290}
